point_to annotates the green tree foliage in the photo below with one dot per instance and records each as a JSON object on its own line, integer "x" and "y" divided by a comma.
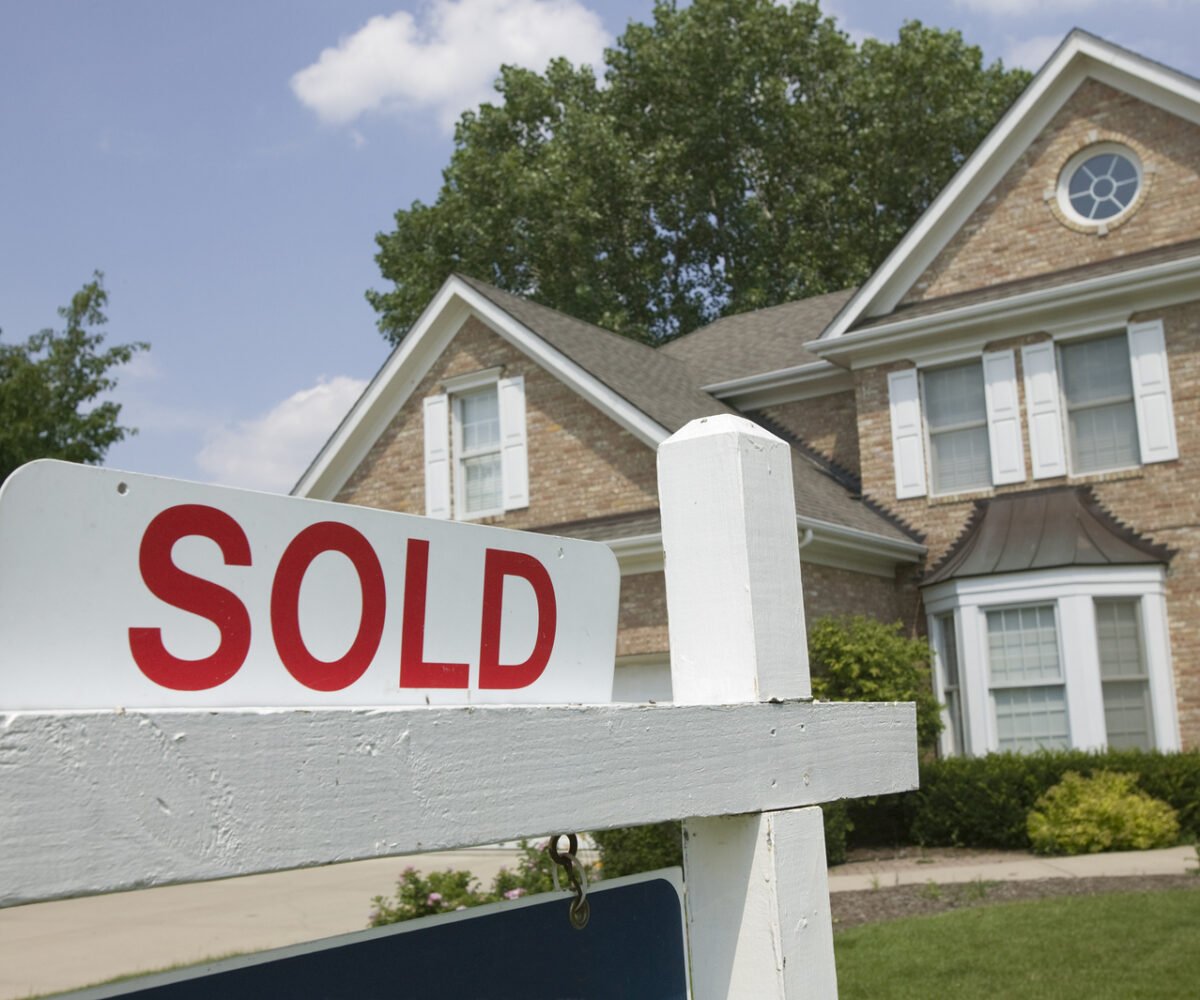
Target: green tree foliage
{"x": 862, "y": 659}
{"x": 47, "y": 382}
{"x": 737, "y": 154}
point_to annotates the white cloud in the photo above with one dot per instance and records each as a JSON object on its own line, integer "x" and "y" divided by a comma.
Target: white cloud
{"x": 1031, "y": 53}
{"x": 446, "y": 61}
{"x": 272, "y": 451}
{"x": 1015, "y": 7}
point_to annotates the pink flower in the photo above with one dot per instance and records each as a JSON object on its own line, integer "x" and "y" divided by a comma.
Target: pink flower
{"x": 514, "y": 893}
{"x": 433, "y": 898}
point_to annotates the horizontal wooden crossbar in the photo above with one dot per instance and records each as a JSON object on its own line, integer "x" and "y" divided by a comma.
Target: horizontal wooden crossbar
{"x": 100, "y": 801}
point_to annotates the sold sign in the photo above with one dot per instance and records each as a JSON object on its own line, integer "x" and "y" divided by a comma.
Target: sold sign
{"x": 122, "y": 590}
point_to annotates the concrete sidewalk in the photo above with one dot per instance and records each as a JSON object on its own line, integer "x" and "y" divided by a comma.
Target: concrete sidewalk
{"x": 48, "y": 947}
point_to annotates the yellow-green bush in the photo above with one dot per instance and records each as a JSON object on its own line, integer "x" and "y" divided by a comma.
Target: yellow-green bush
{"x": 1104, "y": 812}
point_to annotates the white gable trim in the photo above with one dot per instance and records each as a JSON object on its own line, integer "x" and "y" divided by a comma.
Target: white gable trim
{"x": 393, "y": 386}
{"x": 784, "y": 385}
{"x": 1079, "y": 56}
{"x": 1088, "y": 305}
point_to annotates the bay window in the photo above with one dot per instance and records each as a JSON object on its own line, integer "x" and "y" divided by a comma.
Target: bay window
{"x": 1074, "y": 657}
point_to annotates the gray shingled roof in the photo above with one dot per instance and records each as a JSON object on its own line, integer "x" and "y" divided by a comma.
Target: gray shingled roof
{"x": 1046, "y": 529}
{"x": 764, "y": 340}
{"x": 659, "y": 386}
{"x": 664, "y": 389}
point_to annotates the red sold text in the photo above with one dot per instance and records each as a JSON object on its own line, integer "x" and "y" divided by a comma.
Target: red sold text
{"x": 220, "y": 606}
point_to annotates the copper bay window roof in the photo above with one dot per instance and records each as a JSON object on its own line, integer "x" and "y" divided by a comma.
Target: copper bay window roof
{"x": 1062, "y": 526}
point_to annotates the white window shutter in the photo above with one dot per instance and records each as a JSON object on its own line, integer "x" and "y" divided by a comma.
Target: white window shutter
{"x": 437, "y": 456}
{"x": 514, "y": 451}
{"x": 1043, "y": 411}
{"x": 908, "y": 437}
{"x": 1003, "y": 417}
{"x": 1152, "y": 392}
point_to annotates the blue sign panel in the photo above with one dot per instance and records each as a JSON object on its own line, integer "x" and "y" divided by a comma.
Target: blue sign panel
{"x": 632, "y": 946}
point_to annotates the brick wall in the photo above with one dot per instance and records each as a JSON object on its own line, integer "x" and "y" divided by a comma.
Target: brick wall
{"x": 826, "y": 423}
{"x": 1161, "y": 501}
{"x": 581, "y": 463}
{"x": 1018, "y": 231}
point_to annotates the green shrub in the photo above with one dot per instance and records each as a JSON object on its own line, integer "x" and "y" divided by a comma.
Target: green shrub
{"x": 634, "y": 849}
{"x": 1105, "y": 812}
{"x": 863, "y": 659}
{"x": 420, "y": 895}
{"x": 837, "y": 828}
{"x": 985, "y": 801}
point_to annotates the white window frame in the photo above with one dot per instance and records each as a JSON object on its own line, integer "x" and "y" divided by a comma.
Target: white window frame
{"x": 1143, "y": 660}
{"x": 461, "y": 454}
{"x": 1073, "y": 591}
{"x": 1026, "y": 685}
{"x": 912, "y": 451}
{"x": 445, "y": 494}
{"x": 1046, "y": 403}
{"x": 971, "y": 425}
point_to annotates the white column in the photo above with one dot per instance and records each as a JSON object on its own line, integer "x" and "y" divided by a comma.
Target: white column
{"x": 757, "y": 887}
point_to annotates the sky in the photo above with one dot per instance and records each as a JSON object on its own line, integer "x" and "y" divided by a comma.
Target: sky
{"x": 228, "y": 165}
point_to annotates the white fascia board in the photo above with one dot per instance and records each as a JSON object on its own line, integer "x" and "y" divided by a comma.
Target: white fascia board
{"x": 400, "y": 375}
{"x": 840, "y": 547}
{"x": 1105, "y": 300}
{"x": 638, "y": 553}
{"x": 784, "y": 385}
{"x": 1045, "y": 584}
{"x": 1079, "y": 56}
{"x": 832, "y": 545}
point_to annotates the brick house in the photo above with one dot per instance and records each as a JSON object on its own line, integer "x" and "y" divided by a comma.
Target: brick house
{"x": 994, "y": 438}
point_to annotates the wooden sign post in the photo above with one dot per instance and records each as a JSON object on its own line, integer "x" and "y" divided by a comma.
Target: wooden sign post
{"x": 757, "y": 890}
{"x": 101, "y": 797}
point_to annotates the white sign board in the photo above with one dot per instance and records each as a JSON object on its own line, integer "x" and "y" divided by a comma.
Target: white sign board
{"x": 128, "y": 591}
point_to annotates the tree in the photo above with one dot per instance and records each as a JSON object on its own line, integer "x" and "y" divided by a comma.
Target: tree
{"x": 740, "y": 153}
{"x": 47, "y": 382}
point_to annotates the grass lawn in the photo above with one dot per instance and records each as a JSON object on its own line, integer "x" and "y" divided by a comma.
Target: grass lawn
{"x": 1122, "y": 946}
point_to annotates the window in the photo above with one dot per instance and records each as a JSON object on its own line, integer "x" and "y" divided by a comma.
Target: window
{"x": 1071, "y": 657}
{"x": 476, "y": 457}
{"x": 1125, "y": 681}
{"x": 959, "y": 457}
{"x": 1098, "y": 392}
{"x": 971, "y": 426}
{"x": 951, "y": 692}
{"x": 1100, "y": 403}
{"x": 1099, "y": 185}
{"x": 1028, "y": 693}
{"x": 477, "y": 447}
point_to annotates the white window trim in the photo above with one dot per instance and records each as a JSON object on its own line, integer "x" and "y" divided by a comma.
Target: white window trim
{"x": 1073, "y": 591}
{"x": 444, "y": 479}
{"x": 459, "y": 453}
{"x": 1154, "y": 409}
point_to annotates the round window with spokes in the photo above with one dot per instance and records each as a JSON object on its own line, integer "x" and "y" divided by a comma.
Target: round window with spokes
{"x": 1100, "y": 185}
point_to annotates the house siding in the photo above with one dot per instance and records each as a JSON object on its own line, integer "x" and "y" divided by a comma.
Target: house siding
{"x": 1018, "y": 231}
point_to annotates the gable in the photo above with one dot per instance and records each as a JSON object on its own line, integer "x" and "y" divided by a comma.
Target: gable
{"x": 581, "y": 463}
{"x": 1021, "y": 231}
{"x": 1082, "y": 58}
